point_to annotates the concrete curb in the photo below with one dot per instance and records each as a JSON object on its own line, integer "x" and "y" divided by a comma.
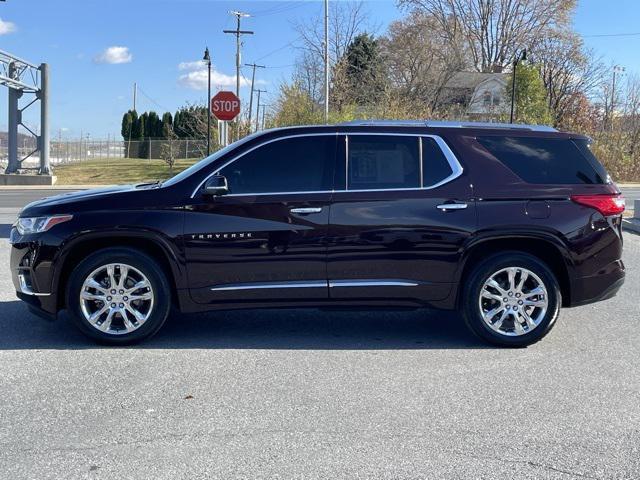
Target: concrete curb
{"x": 631, "y": 225}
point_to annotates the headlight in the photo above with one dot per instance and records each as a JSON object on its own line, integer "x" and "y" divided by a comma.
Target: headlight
{"x": 28, "y": 225}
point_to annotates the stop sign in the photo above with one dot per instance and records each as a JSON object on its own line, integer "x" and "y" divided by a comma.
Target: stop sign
{"x": 225, "y": 105}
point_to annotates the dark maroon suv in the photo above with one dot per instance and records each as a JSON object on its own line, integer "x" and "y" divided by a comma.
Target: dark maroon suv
{"x": 507, "y": 223}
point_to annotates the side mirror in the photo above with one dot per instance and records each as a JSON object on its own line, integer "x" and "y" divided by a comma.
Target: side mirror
{"x": 216, "y": 185}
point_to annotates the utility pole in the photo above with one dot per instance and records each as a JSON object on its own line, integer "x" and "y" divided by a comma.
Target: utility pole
{"x": 135, "y": 93}
{"x": 207, "y": 59}
{"x": 258, "y": 109}
{"x": 326, "y": 61}
{"x": 264, "y": 109}
{"x": 237, "y": 32}
{"x": 620, "y": 70}
{"x": 253, "y": 79}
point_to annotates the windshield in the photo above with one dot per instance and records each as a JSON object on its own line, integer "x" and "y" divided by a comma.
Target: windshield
{"x": 196, "y": 167}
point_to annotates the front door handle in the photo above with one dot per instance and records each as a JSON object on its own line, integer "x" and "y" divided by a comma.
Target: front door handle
{"x": 306, "y": 210}
{"x": 445, "y": 207}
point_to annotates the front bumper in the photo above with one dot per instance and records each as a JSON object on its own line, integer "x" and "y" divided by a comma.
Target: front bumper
{"x": 31, "y": 274}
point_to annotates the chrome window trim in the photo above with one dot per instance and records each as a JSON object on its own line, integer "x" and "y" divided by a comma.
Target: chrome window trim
{"x": 456, "y": 167}
{"x": 421, "y": 162}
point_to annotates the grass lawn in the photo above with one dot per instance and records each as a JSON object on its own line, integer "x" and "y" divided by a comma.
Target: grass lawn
{"x": 116, "y": 171}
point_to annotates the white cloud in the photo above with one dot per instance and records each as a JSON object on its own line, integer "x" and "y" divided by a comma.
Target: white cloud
{"x": 195, "y": 65}
{"x": 196, "y": 77}
{"x": 7, "y": 27}
{"x": 114, "y": 55}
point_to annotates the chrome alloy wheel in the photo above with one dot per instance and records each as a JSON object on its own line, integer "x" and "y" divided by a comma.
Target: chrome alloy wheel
{"x": 116, "y": 298}
{"x": 513, "y": 301}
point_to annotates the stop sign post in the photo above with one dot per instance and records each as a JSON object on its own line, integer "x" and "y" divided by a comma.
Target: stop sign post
{"x": 225, "y": 106}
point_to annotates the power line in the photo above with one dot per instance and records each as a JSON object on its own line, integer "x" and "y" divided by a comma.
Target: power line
{"x": 152, "y": 100}
{"x": 280, "y": 48}
{"x": 631, "y": 34}
{"x": 278, "y": 9}
{"x": 282, "y": 66}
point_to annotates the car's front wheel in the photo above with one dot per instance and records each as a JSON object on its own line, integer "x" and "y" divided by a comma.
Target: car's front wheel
{"x": 118, "y": 296}
{"x": 511, "y": 299}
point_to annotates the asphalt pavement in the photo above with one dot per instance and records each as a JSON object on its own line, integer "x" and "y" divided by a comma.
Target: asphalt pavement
{"x": 309, "y": 394}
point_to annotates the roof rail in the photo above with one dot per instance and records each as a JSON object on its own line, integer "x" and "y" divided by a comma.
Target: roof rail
{"x": 511, "y": 126}
{"x": 448, "y": 124}
{"x": 386, "y": 123}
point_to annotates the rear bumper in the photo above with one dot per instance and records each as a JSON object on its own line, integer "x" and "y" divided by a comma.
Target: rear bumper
{"x": 601, "y": 286}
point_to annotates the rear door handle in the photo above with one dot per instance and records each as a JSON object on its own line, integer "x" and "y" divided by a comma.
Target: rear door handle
{"x": 445, "y": 207}
{"x": 306, "y": 210}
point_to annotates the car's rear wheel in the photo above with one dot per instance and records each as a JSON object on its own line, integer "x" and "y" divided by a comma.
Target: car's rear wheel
{"x": 118, "y": 296}
{"x": 511, "y": 299}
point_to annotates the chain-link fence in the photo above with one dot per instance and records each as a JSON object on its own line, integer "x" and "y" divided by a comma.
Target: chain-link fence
{"x": 64, "y": 152}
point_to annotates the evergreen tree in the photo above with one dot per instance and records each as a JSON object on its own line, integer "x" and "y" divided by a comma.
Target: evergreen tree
{"x": 136, "y": 131}
{"x": 151, "y": 125}
{"x": 364, "y": 73}
{"x": 167, "y": 125}
{"x": 531, "y": 105}
{"x": 143, "y": 121}
{"x": 177, "y": 125}
{"x": 127, "y": 124}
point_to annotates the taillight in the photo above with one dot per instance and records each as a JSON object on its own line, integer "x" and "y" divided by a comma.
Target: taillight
{"x": 605, "y": 204}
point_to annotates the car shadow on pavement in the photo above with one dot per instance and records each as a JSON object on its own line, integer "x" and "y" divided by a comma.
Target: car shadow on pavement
{"x": 5, "y": 229}
{"x": 257, "y": 329}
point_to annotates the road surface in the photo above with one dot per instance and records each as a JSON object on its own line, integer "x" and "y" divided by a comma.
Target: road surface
{"x": 309, "y": 394}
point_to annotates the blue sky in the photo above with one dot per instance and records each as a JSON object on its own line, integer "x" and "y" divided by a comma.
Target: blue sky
{"x": 157, "y": 40}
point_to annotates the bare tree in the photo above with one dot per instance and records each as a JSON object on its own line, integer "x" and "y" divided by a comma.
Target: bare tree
{"x": 420, "y": 59}
{"x": 308, "y": 74}
{"x": 346, "y": 20}
{"x": 568, "y": 70}
{"x": 169, "y": 148}
{"x": 495, "y": 29}
{"x": 631, "y": 117}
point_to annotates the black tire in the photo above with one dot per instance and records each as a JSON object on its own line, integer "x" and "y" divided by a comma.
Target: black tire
{"x": 482, "y": 272}
{"x": 143, "y": 263}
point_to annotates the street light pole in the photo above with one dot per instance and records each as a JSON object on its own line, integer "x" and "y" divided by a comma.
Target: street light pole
{"x": 207, "y": 60}
{"x": 519, "y": 56}
{"x": 326, "y": 61}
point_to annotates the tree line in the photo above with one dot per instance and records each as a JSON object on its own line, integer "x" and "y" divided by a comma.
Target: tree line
{"x": 407, "y": 71}
{"x": 189, "y": 122}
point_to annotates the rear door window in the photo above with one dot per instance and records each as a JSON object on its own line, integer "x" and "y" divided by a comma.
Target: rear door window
{"x": 383, "y": 162}
{"x": 545, "y": 160}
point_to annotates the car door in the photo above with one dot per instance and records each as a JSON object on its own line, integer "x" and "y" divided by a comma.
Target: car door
{"x": 265, "y": 240}
{"x": 399, "y": 219}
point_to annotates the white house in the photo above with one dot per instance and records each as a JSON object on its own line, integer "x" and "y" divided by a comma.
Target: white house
{"x": 479, "y": 96}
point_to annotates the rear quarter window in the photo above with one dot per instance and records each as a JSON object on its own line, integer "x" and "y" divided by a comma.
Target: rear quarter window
{"x": 547, "y": 160}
